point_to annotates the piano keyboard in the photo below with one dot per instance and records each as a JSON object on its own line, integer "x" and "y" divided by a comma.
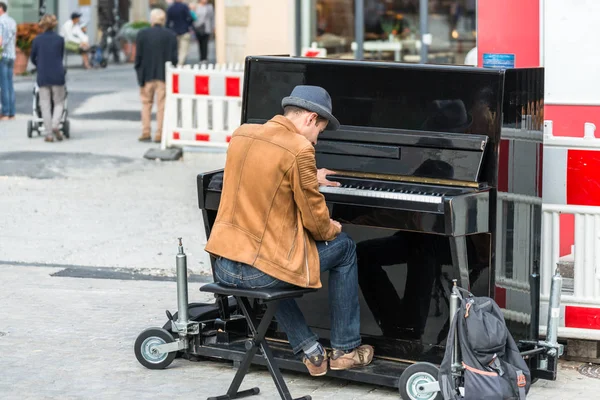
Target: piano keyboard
{"x": 383, "y": 194}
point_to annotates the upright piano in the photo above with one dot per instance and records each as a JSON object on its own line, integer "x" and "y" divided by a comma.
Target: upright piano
{"x": 440, "y": 170}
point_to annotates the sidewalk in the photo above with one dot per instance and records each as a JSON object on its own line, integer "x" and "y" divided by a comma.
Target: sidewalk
{"x": 73, "y": 338}
{"x": 93, "y": 199}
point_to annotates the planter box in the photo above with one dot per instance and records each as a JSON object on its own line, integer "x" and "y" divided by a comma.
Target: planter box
{"x": 129, "y": 50}
{"x": 21, "y": 61}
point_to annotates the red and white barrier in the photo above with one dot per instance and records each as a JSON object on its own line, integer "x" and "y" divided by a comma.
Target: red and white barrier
{"x": 571, "y": 172}
{"x": 570, "y": 166}
{"x": 572, "y": 177}
{"x": 203, "y": 105}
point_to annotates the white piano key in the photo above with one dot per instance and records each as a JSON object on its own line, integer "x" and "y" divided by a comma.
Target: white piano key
{"x": 418, "y": 198}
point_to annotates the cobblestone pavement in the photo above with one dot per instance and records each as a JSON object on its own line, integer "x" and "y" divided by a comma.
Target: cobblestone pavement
{"x": 72, "y": 338}
{"x": 93, "y": 199}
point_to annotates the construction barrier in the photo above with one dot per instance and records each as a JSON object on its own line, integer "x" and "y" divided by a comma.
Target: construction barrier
{"x": 568, "y": 162}
{"x": 574, "y": 162}
{"x": 203, "y": 105}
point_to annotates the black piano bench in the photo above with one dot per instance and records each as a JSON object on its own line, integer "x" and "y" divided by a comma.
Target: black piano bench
{"x": 271, "y": 298}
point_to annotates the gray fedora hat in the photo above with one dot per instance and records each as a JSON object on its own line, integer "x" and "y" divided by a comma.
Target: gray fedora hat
{"x": 315, "y": 99}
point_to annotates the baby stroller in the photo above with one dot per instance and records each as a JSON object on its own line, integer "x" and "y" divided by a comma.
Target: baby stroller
{"x": 37, "y": 124}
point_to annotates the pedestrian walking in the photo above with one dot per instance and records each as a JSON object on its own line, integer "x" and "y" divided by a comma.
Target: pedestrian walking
{"x": 47, "y": 54}
{"x": 179, "y": 20}
{"x": 154, "y": 47}
{"x": 8, "y": 43}
{"x": 204, "y": 26}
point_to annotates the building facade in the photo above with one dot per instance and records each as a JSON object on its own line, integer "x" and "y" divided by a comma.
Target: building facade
{"x": 29, "y": 11}
{"x": 392, "y": 29}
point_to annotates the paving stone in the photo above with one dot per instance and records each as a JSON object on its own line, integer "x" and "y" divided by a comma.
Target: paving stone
{"x": 72, "y": 338}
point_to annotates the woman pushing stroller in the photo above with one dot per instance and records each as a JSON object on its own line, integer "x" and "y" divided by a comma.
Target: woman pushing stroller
{"x": 47, "y": 52}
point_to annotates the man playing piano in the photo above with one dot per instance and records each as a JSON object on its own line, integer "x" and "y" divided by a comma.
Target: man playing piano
{"x": 273, "y": 228}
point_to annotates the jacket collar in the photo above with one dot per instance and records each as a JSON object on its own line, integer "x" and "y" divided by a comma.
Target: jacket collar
{"x": 286, "y": 123}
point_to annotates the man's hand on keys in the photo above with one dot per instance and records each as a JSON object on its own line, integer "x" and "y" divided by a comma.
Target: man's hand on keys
{"x": 322, "y": 177}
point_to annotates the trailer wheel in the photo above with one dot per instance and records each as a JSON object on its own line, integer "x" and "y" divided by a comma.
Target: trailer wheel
{"x": 412, "y": 379}
{"x": 146, "y": 353}
{"x": 29, "y": 129}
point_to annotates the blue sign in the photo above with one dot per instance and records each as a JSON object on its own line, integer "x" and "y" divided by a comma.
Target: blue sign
{"x": 500, "y": 61}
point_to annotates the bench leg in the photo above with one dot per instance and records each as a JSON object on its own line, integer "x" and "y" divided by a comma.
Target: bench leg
{"x": 258, "y": 335}
{"x": 259, "y": 341}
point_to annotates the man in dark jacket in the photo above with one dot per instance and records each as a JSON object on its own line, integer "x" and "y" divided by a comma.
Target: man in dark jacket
{"x": 179, "y": 20}
{"x": 47, "y": 52}
{"x": 154, "y": 47}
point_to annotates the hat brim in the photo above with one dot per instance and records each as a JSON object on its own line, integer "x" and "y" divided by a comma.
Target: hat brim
{"x": 333, "y": 124}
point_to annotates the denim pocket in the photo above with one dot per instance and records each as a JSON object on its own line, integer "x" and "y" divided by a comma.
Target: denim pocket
{"x": 236, "y": 274}
{"x": 255, "y": 279}
{"x": 228, "y": 272}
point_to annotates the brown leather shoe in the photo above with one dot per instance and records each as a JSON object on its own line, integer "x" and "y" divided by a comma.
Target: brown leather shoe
{"x": 144, "y": 138}
{"x": 58, "y": 135}
{"x": 157, "y": 139}
{"x": 359, "y": 357}
{"x": 316, "y": 365}
{"x": 49, "y": 138}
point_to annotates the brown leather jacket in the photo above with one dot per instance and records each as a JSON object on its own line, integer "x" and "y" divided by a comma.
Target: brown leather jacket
{"x": 271, "y": 210}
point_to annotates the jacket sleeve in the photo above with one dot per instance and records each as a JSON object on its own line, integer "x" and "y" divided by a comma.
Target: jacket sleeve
{"x": 139, "y": 41}
{"x": 310, "y": 202}
{"x": 169, "y": 23}
{"x": 189, "y": 19}
{"x": 174, "y": 56}
{"x": 210, "y": 18}
{"x": 34, "y": 52}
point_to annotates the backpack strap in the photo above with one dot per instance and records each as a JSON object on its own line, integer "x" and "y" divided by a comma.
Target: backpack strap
{"x": 495, "y": 365}
{"x": 521, "y": 383}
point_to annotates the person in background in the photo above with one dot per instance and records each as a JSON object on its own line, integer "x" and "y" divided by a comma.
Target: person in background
{"x": 162, "y": 4}
{"x": 75, "y": 39}
{"x": 179, "y": 20}
{"x": 8, "y": 42}
{"x": 47, "y": 53}
{"x": 106, "y": 18}
{"x": 204, "y": 26}
{"x": 154, "y": 47}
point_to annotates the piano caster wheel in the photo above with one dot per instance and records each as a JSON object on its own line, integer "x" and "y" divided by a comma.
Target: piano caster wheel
{"x": 412, "y": 379}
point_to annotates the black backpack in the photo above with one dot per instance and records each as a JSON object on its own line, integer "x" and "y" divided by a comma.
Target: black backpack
{"x": 493, "y": 368}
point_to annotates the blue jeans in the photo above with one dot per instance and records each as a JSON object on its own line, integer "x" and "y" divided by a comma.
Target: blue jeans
{"x": 339, "y": 258}
{"x": 6, "y": 86}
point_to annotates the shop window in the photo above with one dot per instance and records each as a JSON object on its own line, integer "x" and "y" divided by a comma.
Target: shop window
{"x": 24, "y": 10}
{"x": 389, "y": 23}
